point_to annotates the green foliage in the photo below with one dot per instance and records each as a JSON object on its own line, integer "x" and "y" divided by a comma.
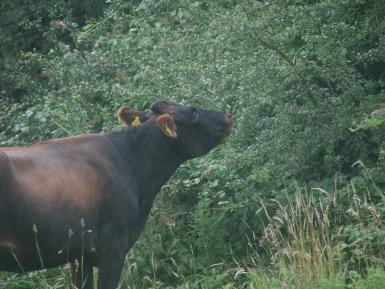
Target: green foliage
{"x": 304, "y": 81}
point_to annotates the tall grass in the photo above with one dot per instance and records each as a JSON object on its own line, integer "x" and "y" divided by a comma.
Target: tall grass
{"x": 321, "y": 235}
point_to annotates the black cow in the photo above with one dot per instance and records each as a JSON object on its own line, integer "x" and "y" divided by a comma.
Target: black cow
{"x": 85, "y": 199}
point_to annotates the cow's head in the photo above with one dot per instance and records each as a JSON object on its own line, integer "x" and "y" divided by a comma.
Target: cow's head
{"x": 193, "y": 131}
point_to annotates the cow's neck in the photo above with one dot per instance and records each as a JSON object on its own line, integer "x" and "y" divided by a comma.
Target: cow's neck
{"x": 151, "y": 159}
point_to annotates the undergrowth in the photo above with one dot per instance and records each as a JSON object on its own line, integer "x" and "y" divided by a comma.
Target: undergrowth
{"x": 315, "y": 239}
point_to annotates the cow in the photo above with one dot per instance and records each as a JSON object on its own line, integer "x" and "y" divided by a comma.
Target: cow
{"x": 84, "y": 199}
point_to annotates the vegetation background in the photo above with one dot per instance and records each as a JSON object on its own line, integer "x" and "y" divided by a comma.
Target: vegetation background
{"x": 295, "y": 199}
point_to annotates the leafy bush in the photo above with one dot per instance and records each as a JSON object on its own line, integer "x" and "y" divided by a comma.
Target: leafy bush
{"x": 304, "y": 81}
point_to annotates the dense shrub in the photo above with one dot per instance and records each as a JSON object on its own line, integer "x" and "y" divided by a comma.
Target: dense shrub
{"x": 303, "y": 79}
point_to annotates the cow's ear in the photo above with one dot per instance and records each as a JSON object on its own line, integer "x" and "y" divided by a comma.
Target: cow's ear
{"x": 129, "y": 116}
{"x": 167, "y": 125}
{"x": 160, "y": 107}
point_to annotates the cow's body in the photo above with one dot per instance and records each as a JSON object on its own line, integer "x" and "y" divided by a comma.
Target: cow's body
{"x": 53, "y": 185}
{"x": 85, "y": 198}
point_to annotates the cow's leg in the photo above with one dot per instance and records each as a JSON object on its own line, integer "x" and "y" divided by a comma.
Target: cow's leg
{"x": 111, "y": 260}
{"x": 82, "y": 275}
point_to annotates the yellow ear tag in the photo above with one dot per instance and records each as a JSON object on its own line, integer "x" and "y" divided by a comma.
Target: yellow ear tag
{"x": 136, "y": 121}
{"x": 170, "y": 132}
